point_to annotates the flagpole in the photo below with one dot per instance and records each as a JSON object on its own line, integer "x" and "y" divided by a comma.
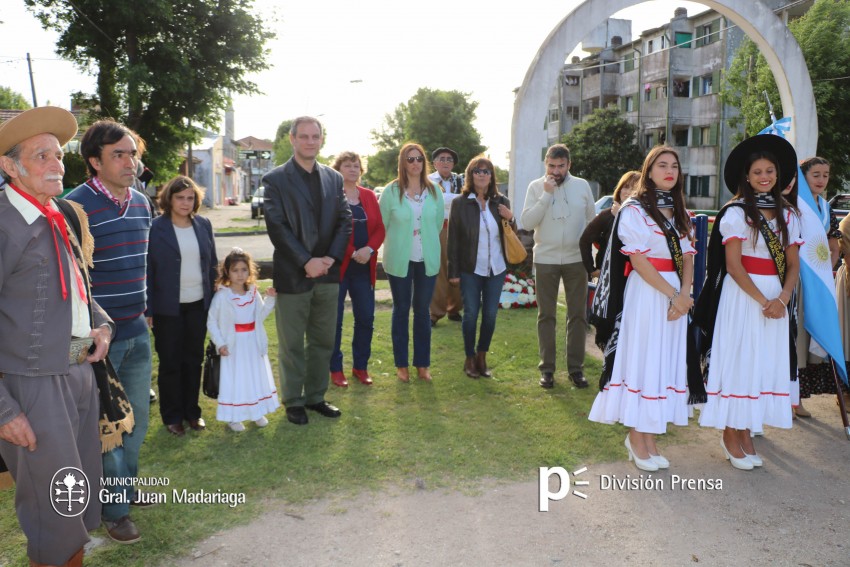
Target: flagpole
{"x": 841, "y": 407}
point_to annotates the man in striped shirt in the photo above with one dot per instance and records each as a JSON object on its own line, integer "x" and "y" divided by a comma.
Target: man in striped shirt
{"x": 120, "y": 220}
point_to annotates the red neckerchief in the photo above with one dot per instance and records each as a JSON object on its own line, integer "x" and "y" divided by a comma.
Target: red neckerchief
{"x": 56, "y": 220}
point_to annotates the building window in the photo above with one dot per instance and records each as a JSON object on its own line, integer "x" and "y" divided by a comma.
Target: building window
{"x": 571, "y": 113}
{"x": 649, "y": 46}
{"x": 661, "y": 92}
{"x": 683, "y": 40}
{"x": 706, "y": 85}
{"x": 630, "y": 103}
{"x": 708, "y": 33}
{"x": 571, "y": 80}
{"x": 648, "y": 141}
{"x": 664, "y": 41}
{"x": 629, "y": 62}
{"x": 705, "y": 136}
{"x": 554, "y": 115}
{"x": 699, "y": 185}
{"x": 680, "y": 137}
{"x": 682, "y": 88}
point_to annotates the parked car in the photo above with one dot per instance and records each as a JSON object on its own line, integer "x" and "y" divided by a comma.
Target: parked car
{"x": 604, "y": 203}
{"x": 257, "y": 202}
{"x": 840, "y": 204}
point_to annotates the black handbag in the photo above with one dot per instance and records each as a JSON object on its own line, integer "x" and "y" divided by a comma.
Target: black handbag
{"x": 212, "y": 371}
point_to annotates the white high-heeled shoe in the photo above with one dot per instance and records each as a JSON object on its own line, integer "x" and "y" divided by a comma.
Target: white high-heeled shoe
{"x": 660, "y": 461}
{"x": 648, "y": 465}
{"x": 755, "y": 459}
{"x": 744, "y": 464}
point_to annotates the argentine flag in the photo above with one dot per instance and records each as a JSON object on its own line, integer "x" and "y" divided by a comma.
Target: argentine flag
{"x": 821, "y": 319}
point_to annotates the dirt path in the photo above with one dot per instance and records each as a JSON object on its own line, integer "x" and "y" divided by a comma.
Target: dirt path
{"x": 793, "y": 511}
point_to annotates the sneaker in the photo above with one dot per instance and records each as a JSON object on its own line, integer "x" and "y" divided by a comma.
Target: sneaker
{"x": 236, "y": 426}
{"x": 122, "y": 530}
{"x": 262, "y": 422}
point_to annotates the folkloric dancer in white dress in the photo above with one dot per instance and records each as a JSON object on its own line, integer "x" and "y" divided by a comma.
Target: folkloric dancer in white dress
{"x": 644, "y": 315}
{"x": 753, "y": 266}
{"x": 235, "y": 323}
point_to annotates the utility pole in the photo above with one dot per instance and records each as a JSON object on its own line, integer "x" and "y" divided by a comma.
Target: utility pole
{"x": 32, "y": 83}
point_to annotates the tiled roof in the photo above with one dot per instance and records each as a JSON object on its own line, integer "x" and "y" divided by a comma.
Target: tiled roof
{"x": 252, "y": 143}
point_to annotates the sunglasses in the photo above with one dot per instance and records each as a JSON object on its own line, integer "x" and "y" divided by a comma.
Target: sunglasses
{"x": 411, "y": 159}
{"x": 478, "y": 171}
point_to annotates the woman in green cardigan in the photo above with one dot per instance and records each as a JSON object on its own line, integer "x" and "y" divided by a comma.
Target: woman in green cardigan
{"x": 412, "y": 210}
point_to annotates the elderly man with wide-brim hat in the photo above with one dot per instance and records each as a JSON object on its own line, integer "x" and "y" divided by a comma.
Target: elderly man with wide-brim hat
{"x": 49, "y": 404}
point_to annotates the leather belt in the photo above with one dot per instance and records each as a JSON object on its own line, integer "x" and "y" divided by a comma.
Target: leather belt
{"x": 79, "y": 349}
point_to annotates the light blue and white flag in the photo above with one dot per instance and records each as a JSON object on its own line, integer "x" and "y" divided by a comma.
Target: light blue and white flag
{"x": 821, "y": 308}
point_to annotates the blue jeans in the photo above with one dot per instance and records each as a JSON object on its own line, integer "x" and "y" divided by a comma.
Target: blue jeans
{"x": 480, "y": 293}
{"x": 359, "y": 286}
{"x": 415, "y": 289}
{"x": 132, "y": 361}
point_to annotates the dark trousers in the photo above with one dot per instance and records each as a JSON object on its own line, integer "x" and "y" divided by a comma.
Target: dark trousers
{"x": 357, "y": 284}
{"x": 416, "y": 289}
{"x": 179, "y": 342}
{"x": 480, "y": 293}
{"x": 63, "y": 412}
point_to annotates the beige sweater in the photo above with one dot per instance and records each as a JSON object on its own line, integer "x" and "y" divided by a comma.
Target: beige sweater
{"x": 557, "y": 219}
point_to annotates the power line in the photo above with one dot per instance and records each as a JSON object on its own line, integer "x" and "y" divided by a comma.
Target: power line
{"x": 94, "y": 25}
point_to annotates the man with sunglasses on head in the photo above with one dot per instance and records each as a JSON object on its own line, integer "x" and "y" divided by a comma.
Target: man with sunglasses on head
{"x": 309, "y": 224}
{"x": 557, "y": 208}
{"x": 447, "y": 299}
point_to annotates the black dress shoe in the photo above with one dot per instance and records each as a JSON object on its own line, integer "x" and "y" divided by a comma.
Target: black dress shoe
{"x": 296, "y": 415}
{"x": 198, "y": 424}
{"x": 578, "y": 379}
{"x": 324, "y": 408}
{"x": 547, "y": 380}
{"x": 176, "y": 429}
{"x": 455, "y": 317}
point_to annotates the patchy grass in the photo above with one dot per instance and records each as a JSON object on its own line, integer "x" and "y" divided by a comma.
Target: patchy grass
{"x": 448, "y": 433}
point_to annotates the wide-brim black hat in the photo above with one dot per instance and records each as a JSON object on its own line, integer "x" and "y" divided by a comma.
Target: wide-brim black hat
{"x": 439, "y": 151}
{"x": 776, "y": 145}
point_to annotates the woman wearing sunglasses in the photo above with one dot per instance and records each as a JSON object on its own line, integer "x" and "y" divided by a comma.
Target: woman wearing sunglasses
{"x": 477, "y": 259}
{"x": 412, "y": 211}
{"x": 358, "y": 270}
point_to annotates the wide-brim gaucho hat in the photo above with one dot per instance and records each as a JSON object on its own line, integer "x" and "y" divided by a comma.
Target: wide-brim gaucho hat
{"x": 439, "y": 151}
{"x": 776, "y": 145}
{"x": 35, "y": 121}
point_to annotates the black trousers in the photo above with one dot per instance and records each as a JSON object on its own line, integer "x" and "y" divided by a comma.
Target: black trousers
{"x": 179, "y": 343}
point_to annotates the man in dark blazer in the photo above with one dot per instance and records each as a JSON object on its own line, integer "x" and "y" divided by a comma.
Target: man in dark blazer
{"x": 309, "y": 224}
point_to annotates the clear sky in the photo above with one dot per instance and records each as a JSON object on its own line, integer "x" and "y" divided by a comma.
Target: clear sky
{"x": 350, "y": 63}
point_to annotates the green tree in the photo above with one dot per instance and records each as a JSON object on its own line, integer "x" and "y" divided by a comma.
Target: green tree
{"x": 162, "y": 66}
{"x": 433, "y": 118}
{"x": 282, "y": 145}
{"x": 11, "y": 100}
{"x": 603, "y": 147}
{"x": 823, "y": 38}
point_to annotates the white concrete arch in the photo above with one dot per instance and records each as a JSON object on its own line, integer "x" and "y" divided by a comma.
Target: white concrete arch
{"x": 781, "y": 50}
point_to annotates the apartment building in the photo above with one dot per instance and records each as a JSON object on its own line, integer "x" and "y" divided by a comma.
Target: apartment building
{"x": 667, "y": 82}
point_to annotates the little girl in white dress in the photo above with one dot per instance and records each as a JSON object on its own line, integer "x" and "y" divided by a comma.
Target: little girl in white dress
{"x": 235, "y": 323}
